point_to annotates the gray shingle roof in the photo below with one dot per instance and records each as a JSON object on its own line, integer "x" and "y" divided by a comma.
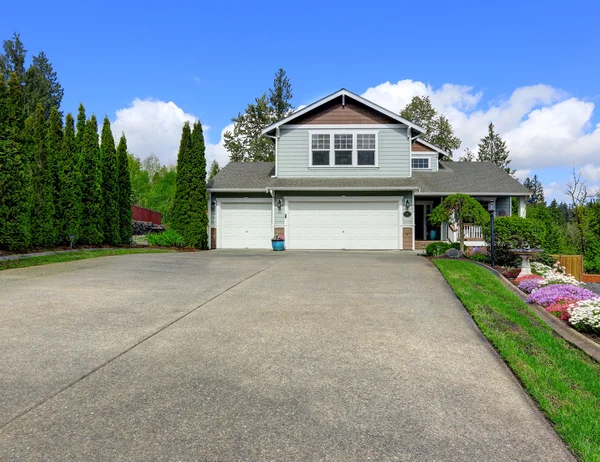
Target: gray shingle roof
{"x": 465, "y": 177}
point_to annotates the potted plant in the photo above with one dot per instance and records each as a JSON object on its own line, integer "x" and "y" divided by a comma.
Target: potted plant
{"x": 278, "y": 242}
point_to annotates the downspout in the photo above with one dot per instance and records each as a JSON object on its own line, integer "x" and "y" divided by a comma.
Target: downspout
{"x": 276, "y": 137}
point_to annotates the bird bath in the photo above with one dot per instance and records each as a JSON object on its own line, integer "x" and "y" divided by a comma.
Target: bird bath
{"x": 526, "y": 254}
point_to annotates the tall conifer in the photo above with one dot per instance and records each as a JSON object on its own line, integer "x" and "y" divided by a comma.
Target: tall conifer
{"x": 93, "y": 208}
{"x": 70, "y": 184}
{"x": 15, "y": 230}
{"x": 80, "y": 127}
{"x": 178, "y": 215}
{"x": 125, "y": 224}
{"x": 51, "y": 171}
{"x": 110, "y": 185}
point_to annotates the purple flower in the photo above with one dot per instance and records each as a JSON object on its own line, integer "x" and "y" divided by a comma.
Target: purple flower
{"x": 547, "y": 295}
{"x": 529, "y": 285}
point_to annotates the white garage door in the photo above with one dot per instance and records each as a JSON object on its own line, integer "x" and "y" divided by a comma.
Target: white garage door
{"x": 343, "y": 225}
{"x": 246, "y": 225}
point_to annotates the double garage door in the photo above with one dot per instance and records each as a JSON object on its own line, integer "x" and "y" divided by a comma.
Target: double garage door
{"x": 313, "y": 225}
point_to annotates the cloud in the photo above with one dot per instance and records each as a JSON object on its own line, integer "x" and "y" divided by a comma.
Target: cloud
{"x": 152, "y": 126}
{"x": 591, "y": 173}
{"x": 218, "y": 151}
{"x": 521, "y": 175}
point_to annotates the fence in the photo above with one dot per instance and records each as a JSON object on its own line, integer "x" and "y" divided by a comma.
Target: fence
{"x": 142, "y": 214}
{"x": 573, "y": 264}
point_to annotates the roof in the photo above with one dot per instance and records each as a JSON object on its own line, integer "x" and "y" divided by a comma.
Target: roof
{"x": 433, "y": 147}
{"x": 354, "y": 96}
{"x": 475, "y": 178}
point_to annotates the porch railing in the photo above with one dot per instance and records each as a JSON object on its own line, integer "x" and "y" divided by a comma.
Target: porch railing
{"x": 473, "y": 232}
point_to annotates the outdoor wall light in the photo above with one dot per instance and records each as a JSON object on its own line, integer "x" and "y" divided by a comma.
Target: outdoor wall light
{"x": 214, "y": 204}
{"x": 407, "y": 204}
{"x": 279, "y": 204}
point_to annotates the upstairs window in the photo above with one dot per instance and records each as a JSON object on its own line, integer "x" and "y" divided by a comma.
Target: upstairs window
{"x": 420, "y": 163}
{"x": 320, "y": 149}
{"x": 347, "y": 149}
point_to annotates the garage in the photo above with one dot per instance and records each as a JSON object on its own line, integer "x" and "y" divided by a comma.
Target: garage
{"x": 245, "y": 224}
{"x": 345, "y": 224}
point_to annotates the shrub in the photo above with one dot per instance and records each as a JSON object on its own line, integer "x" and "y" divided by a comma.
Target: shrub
{"x": 432, "y": 249}
{"x": 480, "y": 257}
{"x": 511, "y": 273}
{"x": 511, "y": 233}
{"x": 585, "y": 315}
{"x": 548, "y": 295}
{"x": 592, "y": 265}
{"x": 168, "y": 238}
{"x": 545, "y": 258}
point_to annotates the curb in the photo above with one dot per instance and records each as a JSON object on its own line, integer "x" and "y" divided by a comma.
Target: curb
{"x": 21, "y": 256}
{"x": 558, "y": 326}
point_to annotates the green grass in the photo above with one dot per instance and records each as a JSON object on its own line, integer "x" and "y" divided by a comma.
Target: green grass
{"x": 71, "y": 256}
{"x": 563, "y": 380}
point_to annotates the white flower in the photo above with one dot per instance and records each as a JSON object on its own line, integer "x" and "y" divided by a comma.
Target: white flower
{"x": 558, "y": 278}
{"x": 585, "y": 314}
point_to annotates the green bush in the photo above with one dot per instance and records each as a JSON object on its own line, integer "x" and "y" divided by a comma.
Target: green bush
{"x": 432, "y": 249}
{"x": 480, "y": 257}
{"x": 545, "y": 258}
{"x": 592, "y": 266}
{"x": 168, "y": 238}
{"x": 511, "y": 233}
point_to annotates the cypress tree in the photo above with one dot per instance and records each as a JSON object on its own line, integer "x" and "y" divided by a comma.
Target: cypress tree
{"x": 190, "y": 216}
{"x": 80, "y": 128}
{"x": 42, "y": 212}
{"x": 110, "y": 185}
{"x": 92, "y": 223}
{"x": 14, "y": 171}
{"x": 53, "y": 153}
{"x": 125, "y": 224}
{"x": 70, "y": 184}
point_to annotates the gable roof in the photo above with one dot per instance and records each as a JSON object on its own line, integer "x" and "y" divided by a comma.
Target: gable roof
{"x": 433, "y": 147}
{"x": 475, "y": 178}
{"x": 345, "y": 93}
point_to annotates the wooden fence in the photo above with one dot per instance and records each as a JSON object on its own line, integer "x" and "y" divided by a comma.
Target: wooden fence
{"x": 142, "y": 214}
{"x": 573, "y": 264}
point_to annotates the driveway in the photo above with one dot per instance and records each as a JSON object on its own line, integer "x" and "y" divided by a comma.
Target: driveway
{"x": 232, "y": 355}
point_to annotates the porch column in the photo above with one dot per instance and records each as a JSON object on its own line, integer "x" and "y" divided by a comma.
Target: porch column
{"x": 522, "y": 209}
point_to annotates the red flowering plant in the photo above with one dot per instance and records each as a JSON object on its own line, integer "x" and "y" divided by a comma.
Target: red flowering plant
{"x": 560, "y": 308}
{"x": 511, "y": 273}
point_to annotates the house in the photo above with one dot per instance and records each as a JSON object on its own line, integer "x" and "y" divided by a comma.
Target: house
{"x": 349, "y": 174}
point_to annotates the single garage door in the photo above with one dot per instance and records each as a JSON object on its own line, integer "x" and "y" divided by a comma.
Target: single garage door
{"x": 343, "y": 225}
{"x": 246, "y": 225}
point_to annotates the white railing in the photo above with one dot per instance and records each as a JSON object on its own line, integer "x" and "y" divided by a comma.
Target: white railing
{"x": 473, "y": 232}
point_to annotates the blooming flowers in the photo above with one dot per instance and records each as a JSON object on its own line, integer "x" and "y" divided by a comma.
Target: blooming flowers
{"x": 529, "y": 283}
{"x": 547, "y": 295}
{"x": 559, "y": 278}
{"x": 585, "y": 315}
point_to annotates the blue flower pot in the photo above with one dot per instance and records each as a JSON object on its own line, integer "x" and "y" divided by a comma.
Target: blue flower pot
{"x": 278, "y": 245}
{"x": 432, "y": 234}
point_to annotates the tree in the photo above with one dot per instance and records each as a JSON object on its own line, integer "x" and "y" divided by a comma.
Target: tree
{"x": 152, "y": 165}
{"x": 69, "y": 167}
{"x": 467, "y": 156}
{"x": 81, "y": 121}
{"x": 459, "y": 209}
{"x": 493, "y": 149}
{"x": 437, "y": 127}
{"x": 13, "y": 58}
{"x": 214, "y": 169}
{"x": 53, "y": 150}
{"x": 190, "y": 216}
{"x": 42, "y": 86}
{"x": 578, "y": 192}
{"x": 537, "y": 190}
{"x": 125, "y": 225}
{"x": 92, "y": 225}
{"x": 247, "y": 143}
{"x": 280, "y": 96}
{"x": 15, "y": 229}
{"x": 42, "y": 178}
{"x": 110, "y": 185}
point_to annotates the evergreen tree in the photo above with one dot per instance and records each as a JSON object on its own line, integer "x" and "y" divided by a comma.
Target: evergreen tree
{"x": 42, "y": 86}
{"x": 15, "y": 232}
{"x": 125, "y": 224}
{"x": 190, "y": 217}
{"x": 110, "y": 185}
{"x": 468, "y": 156}
{"x": 53, "y": 151}
{"x": 69, "y": 203}
{"x": 437, "y": 127}
{"x": 13, "y": 59}
{"x": 80, "y": 127}
{"x": 280, "y": 96}
{"x": 214, "y": 169}
{"x": 493, "y": 149}
{"x": 536, "y": 188}
{"x": 43, "y": 181}
{"x": 92, "y": 223}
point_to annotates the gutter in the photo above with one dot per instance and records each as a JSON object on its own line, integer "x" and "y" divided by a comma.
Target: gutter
{"x": 343, "y": 188}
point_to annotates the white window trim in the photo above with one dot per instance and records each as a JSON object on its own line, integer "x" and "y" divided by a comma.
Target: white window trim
{"x": 353, "y": 132}
{"x": 421, "y": 157}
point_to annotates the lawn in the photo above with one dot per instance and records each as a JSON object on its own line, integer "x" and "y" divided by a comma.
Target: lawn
{"x": 71, "y": 256}
{"x": 563, "y": 380}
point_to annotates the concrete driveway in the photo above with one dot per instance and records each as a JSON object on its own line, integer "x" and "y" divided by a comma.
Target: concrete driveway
{"x": 253, "y": 356}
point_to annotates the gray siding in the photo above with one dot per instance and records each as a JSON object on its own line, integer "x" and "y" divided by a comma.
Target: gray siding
{"x": 433, "y": 160}
{"x": 293, "y": 152}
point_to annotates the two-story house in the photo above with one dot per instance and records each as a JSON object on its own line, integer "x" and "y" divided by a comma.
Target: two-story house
{"x": 349, "y": 174}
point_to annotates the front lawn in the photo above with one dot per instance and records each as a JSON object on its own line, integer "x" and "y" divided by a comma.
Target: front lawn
{"x": 563, "y": 380}
{"x": 70, "y": 256}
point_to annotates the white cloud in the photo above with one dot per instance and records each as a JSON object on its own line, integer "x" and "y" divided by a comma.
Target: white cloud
{"x": 521, "y": 175}
{"x": 218, "y": 151}
{"x": 591, "y": 173}
{"x": 152, "y": 126}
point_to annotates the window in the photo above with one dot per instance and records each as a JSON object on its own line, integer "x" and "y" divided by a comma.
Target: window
{"x": 343, "y": 149}
{"x": 320, "y": 149}
{"x": 348, "y": 149}
{"x": 365, "y": 145}
{"x": 420, "y": 162}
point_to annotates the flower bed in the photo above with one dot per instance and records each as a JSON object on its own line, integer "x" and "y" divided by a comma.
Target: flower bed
{"x": 563, "y": 296}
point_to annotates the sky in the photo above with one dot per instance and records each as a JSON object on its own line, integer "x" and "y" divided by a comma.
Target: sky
{"x": 530, "y": 67}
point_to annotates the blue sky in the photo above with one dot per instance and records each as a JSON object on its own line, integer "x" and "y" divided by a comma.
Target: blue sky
{"x": 478, "y": 60}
